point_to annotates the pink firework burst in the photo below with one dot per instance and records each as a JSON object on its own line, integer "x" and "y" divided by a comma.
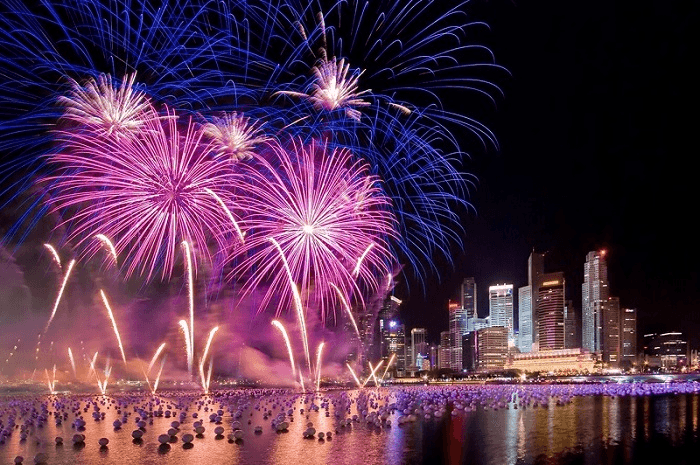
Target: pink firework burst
{"x": 148, "y": 192}
{"x": 105, "y": 109}
{"x": 235, "y": 136}
{"x": 323, "y": 214}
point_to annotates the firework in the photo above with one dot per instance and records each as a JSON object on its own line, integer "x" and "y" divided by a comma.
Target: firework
{"x": 235, "y": 136}
{"x": 160, "y": 371}
{"x": 105, "y": 109}
{"x": 319, "y": 212}
{"x": 357, "y": 380}
{"x": 347, "y": 308}
{"x": 190, "y": 295}
{"x": 393, "y": 356}
{"x": 114, "y": 323}
{"x": 148, "y": 193}
{"x": 372, "y": 373}
{"x": 155, "y": 357}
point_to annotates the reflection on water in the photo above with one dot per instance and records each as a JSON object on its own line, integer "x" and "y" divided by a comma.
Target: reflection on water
{"x": 588, "y": 430}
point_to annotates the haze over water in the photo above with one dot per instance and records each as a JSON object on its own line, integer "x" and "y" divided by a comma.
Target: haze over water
{"x": 587, "y": 430}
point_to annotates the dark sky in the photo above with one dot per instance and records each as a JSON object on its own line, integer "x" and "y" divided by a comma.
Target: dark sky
{"x": 598, "y": 145}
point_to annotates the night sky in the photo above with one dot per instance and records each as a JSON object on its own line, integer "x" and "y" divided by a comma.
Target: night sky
{"x": 598, "y": 139}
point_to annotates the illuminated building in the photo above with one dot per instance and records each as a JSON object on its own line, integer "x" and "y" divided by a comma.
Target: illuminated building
{"x": 594, "y": 296}
{"x": 554, "y": 361}
{"x": 628, "y": 335}
{"x": 387, "y": 313}
{"x": 550, "y": 312}
{"x": 467, "y": 297}
{"x": 572, "y": 326}
{"x": 535, "y": 271}
{"x": 491, "y": 348}
{"x": 395, "y": 343}
{"x": 611, "y": 332}
{"x": 666, "y": 350}
{"x": 445, "y": 350}
{"x": 525, "y": 339}
{"x": 419, "y": 347}
{"x": 458, "y": 327}
{"x": 501, "y": 307}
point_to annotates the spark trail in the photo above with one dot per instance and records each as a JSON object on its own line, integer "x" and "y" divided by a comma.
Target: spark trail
{"x": 114, "y": 324}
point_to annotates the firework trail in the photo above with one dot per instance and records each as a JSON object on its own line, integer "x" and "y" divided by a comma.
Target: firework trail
{"x": 372, "y": 371}
{"x": 319, "y": 212}
{"x": 205, "y": 380}
{"x": 190, "y": 293}
{"x": 357, "y": 380}
{"x": 155, "y": 357}
{"x": 114, "y": 323}
{"x": 72, "y": 361}
{"x": 393, "y": 356}
{"x": 105, "y": 240}
{"x": 188, "y": 344}
{"x": 54, "y": 254}
{"x": 279, "y": 326}
{"x": 318, "y": 365}
{"x": 160, "y": 371}
{"x": 347, "y": 308}
{"x": 60, "y": 294}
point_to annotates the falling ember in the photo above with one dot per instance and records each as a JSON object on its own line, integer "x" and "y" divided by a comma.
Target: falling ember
{"x": 393, "y": 356}
{"x": 54, "y": 253}
{"x": 356, "y": 271}
{"x": 279, "y": 326}
{"x": 347, "y": 308}
{"x": 60, "y": 293}
{"x": 72, "y": 361}
{"x": 372, "y": 373}
{"x": 318, "y": 365}
{"x": 205, "y": 383}
{"x": 188, "y": 344}
{"x": 357, "y": 380}
{"x": 105, "y": 240}
{"x": 190, "y": 287}
{"x": 241, "y": 234}
{"x": 114, "y": 323}
{"x": 297, "y": 301}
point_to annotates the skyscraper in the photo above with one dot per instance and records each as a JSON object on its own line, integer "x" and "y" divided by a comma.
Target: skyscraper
{"x": 394, "y": 340}
{"x": 535, "y": 271}
{"x": 501, "y": 307}
{"x": 572, "y": 326}
{"x": 419, "y": 346}
{"x": 594, "y": 297}
{"x": 458, "y": 327}
{"x": 550, "y": 311}
{"x": 387, "y": 313}
{"x": 611, "y": 332}
{"x": 445, "y": 350}
{"x": 628, "y": 334}
{"x": 467, "y": 297}
{"x": 525, "y": 319}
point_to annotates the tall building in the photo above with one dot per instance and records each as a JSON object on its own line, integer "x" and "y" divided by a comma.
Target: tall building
{"x": 458, "y": 327}
{"x": 525, "y": 339}
{"x": 501, "y": 307}
{"x": 611, "y": 332}
{"x": 388, "y": 313}
{"x": 395, "y": 343}
{"x": 419, "y": 346}
{"x": 594, "y": 296}
{"x": 491, "y": 348}
{"x": 572, "y": 326}
{"x": 550, "y": 311}
{"x": 535, "y": 271}
{"x": 628, "y": 336}
{"x": 467, "y": 297}
{"x": 445, "y": 350}
{"x": 667, "y": 350}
